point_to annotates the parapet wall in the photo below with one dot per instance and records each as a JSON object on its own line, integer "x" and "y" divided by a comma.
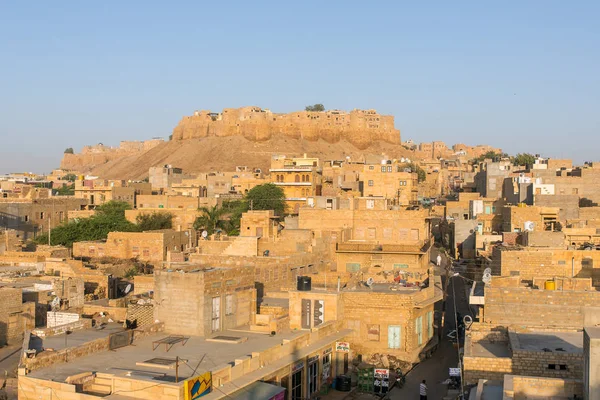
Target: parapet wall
{"x": 359, "y": 127}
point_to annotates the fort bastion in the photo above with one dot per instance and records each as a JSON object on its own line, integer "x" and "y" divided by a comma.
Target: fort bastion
{"x": 358, "y": 127}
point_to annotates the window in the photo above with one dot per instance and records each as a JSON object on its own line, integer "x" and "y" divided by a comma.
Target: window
{"x": 370, "y": 183}
{"x": 389, "y": 168}
{"x": 26, "y": 218}
{"x": 42, "y": 215}
{"x": 146, "y": 252}
{"x": 297, "y": 385}
{"x": 216, "y": 314}
{"x": 313, "y": 372}
{"x": 383, "y": 168}
{"x": 352, "y": 267}
{"x": 394, "y": 335}
{"x": 419, "y": 330}
{"x": 430, "y": 324}
{"x": 297, "y": 178}
{"x": 371, "y": 167}
{"x": 400, "y": 266}
{"x": 229, "y": 304}
{"x": 373, "y": 333}
{"x": 370, "y": 204}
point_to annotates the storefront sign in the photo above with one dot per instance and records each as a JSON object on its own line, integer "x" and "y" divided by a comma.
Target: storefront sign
{"x": 381, "y": 380}
{"x": 342, "y": 347}
{"x": 454, "y": 371}
{"x": 298, "y": 366}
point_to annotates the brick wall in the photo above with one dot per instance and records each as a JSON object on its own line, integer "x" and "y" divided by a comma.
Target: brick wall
{"x": 536, "y": 307}
{"x": 11, "y": 323}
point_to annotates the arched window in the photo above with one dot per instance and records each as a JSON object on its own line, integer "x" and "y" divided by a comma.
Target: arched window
{"x": 307, "y": 178}
{"x": 297, "y": 178}
{"x": 303, "y": 178}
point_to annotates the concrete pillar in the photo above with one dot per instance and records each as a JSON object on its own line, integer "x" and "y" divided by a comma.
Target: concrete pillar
{"x": 591, "y": 373}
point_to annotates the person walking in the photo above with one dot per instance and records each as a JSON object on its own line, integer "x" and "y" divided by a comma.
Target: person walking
{"x": 438, "y": 260}
{"x": 423, "y": 390}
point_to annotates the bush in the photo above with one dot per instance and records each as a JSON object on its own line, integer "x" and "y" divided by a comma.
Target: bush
{"x": 69, "y": 150}
{"x": 154, "y": 221}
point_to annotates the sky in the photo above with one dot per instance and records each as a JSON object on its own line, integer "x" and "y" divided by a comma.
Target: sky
{"x": 520, "y": 75}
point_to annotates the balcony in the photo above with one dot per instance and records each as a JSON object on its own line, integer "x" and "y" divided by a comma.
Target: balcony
{"x": 411, "y": 248}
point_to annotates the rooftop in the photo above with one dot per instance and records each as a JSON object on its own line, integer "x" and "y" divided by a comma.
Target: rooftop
{"x": 567, "y": 342}
{"x": 197, "y": 351}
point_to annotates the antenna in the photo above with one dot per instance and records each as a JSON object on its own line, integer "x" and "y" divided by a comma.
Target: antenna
{"x": 128, "y": 288}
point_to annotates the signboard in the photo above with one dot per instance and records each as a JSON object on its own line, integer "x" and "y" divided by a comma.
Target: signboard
{"x": 454, "y": 371}
{"x": 342, "y": 347}
{"x": 381, "y": 382}
{"x": 196, "y": 387}
{"x": 298, "y": 366}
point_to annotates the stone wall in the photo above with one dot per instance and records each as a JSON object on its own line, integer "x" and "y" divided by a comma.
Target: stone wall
{"x": 522, "y": 387}
{"x": 11, "y": 324}
{"x": 143, "y": 284}
{"x": 537, "y": 307}
{"x": 359, "y": 127}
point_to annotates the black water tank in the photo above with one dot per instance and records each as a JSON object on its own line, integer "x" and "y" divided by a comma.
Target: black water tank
{"x": 343, "y": 384}
{"x": 304, "y": 283}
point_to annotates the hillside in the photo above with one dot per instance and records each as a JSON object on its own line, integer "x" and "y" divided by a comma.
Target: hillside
{"x": 225, "y": 153}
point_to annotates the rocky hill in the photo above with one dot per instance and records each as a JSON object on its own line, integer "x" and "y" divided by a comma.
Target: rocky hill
{"x": 221, "y": 154}
{"x": 207, "y": 141}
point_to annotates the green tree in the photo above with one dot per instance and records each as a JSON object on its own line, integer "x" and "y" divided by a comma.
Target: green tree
{"x": 69, "y": 150}
{"x": 154, "y": 221}
{"x": 70, "y": 177}
{"x": 233, "y": 211}
{"x": 315, "y": 107}
{"x": 210, "y": 220}
{"x": 114, "y": 209}
{"x": 492, "y": 155}
{"x": 66, "y": 190}
{"x": 421, "y": 174}
{"x": 266, "y": 197}
{"x": 524, "y": 159}
{"x": 110, "y": 217}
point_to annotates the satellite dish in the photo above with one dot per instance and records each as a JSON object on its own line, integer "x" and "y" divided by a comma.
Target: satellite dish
{"x": 55, "y": 303}
{"x": 128, "y": 288}
{"x": 370, "y": 282}
{"x": 487, "y": 277}
{"x": 204, "y": 234}
{"x": 487, "y": 271}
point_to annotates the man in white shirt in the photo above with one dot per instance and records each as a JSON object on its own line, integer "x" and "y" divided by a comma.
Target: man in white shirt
{"x": 423, "y": 389}
{"x": 438, "y": 260}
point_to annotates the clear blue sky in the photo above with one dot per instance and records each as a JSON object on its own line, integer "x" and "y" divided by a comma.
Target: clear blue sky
{"x": 522, "y": 75}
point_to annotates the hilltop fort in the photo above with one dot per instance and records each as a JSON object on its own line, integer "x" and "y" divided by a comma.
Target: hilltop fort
{"x": 358, "y": 127}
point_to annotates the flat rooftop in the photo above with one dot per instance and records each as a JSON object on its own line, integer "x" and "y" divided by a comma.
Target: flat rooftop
{"x": 568, "y": 342}
{"x": 488, "y": 349}
{"x": 197, "y": 352}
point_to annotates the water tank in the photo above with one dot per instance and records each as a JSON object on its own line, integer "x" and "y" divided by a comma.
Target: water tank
{"x": 343, "y": 383}
{"x": 304, "y": 283}
{"x": 549, "y": 285}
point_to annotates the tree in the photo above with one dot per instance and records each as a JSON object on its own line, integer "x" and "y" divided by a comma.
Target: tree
{"x": 70, "y": 177}
{"x": 524, "y": 159}
{"x": 154, "y": 221}
{"x": 266, "y": 197}
{"x": 170, "y": 137}
{"x": 66, "y": 190}
{"x": 69, "y": 150}
{"x": 315, "y": 107}
{"x": 421, "y": 174}
{"x": 492, "y": 155}
{"x": 110, "y": 217}
{"x": 210, "y": 220}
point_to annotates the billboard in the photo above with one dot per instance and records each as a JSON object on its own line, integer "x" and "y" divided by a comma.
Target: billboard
{"x": 196, "y": 387}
